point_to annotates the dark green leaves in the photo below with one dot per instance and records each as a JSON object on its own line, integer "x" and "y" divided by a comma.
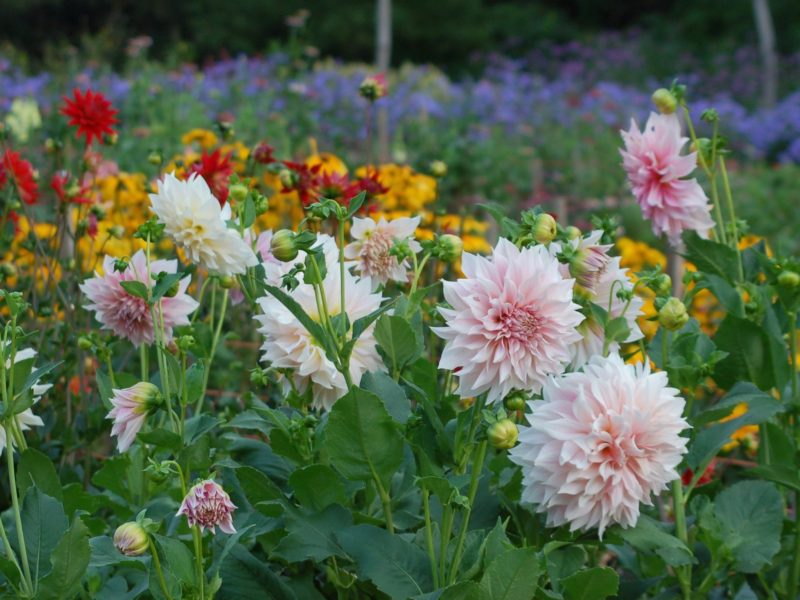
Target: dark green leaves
{"x": 710, "y": 257}
{"x": 362, "y": 439}
{"x": 512, "y": 576}
{"x": 44, "y": 522}
{"x": 397, "y": 340}
{"x": 69, "y": 561}
{"x": 311, "y": 534}
{"x": 591, "y": 584}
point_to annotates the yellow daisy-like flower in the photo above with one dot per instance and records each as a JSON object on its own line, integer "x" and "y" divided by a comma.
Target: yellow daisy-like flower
{"x": 203, "y": 137}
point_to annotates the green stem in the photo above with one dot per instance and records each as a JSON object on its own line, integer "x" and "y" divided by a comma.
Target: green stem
{"x": 10, "y": 555}
{"x": 726, "y": 185}
{"x": 684, "y": 574}
{"x": 794, "y": 580}
{"x": 477, "y": 467}
{"x": 198, "y": 553}
{"x": 145, "y": 363}
{"x": 429, "y": 538}
{"x": 341, "y": 279}
{"x": 214, "y": 343}
{"x": 12, "y": 484}
{"x": 386, "y": 500}
{"x": 159, "y": 572}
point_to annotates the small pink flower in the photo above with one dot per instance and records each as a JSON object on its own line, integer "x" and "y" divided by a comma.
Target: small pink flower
{"x": 511, "y": 324}
{"x": 131, "y": 406}
{"x": 129, "y": 316}
{"x": 601, "y": 443}
{"x": 656, "y": 171}
{"x": 208, "y": 506}
{"x": 372, "y": 245}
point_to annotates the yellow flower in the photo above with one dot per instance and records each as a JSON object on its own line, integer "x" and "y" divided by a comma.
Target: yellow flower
{"x": 331, "y": 164}
{"x": 746, "y": 436}
{"x": 203, "y": 137}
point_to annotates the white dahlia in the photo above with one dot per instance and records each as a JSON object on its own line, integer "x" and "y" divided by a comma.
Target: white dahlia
{"x": 511, "y": 323}
{"x": 196, "y": 222}
{"x": 25, "y": 419}
{"x": 372, "y": 245}
{"x": 601, "y": 442}
{"x": 288, "y": 345}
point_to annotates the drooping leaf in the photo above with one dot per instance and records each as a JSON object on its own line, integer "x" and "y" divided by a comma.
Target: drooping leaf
{"x": 393, "y": 395}
{"x": 648, "y": 536}
{"x": 311, "y": 535}
{"x": 35, "y": 468}
{"x": 397, "y": 340}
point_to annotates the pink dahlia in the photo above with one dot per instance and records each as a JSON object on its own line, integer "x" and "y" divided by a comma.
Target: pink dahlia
{"x": 129, "y": 316}
{"x": 208, "y": 506}
{"x": 511, "y": 323}
{"x": 656, "y": 171}
{"x": 131, "y": 406}
{"x": 372, "y": 245}
{"x": 601, "y": 442}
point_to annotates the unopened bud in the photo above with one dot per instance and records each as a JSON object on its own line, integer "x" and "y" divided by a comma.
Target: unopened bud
{"x": 287, "y": 178}
{"x": 227, "y": 282}
{"x": 449, "y": 247}
{"x": 283, "y": 246}
{"x": 238, "y": 191}
{"x": 788, "y": 279}
{"x": 673, "y": 315}
{"x": 665, "y": 101}
{"x": 8, "y": 270}
{"x": 573, "y": 233}
{"x": 545, "y": 228}
{"x": 84, "y": 343}
{"x": 662, "y": 284}
{"x": 503, "y": 434}
{"x": 131, "y": 539}
{"x": 439, "y": 168}
{"x": 116, "y": 231}
{"x": 155, "y": 158}
{"x": 515, "y": 401}
{"x": 373, "y": 88}
{"x": 262, "y": 204}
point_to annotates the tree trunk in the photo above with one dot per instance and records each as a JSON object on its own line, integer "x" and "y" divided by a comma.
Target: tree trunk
{"x": 383, "y": 57}
{"x": 769, "y": 57}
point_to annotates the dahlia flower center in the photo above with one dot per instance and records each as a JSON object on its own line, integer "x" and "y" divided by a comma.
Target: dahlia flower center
{"x": 133, "y": 309}
{"x": 519, "y": 323}
{"x": 375, "y": 252}
{"x": 210, "y": 512}
{"x": 614, "y": 442}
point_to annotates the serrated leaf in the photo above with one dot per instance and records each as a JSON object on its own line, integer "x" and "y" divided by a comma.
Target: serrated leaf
{"x": 513, "y": 575}
{"x": 393, "y": 395}
{"x": 69, "y": 561}
{"x": 591, "y": 584}
{"x": 37, "y": 469}
{"x": 136, "y": 289}
{"x": 311, "y": 535}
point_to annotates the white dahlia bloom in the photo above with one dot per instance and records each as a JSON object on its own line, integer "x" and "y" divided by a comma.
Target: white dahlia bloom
{"x": 601, "y": 442}
{"x": 601, "y": 282}
{"x": 511, "y": 323}
{"x": 26, "y": 419}
{"x": 372, "y": 245}
{"x": 196, "y": 222}
{"x": 288, "y": 345}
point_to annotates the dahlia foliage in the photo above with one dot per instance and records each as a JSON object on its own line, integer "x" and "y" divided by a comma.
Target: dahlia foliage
{"x": 253, "y": 375}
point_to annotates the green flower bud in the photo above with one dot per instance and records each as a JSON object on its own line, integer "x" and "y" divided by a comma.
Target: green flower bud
{"x": 84, "y": 343}
{"x": 131, "y": 539}
{"x": 545, "y": 228}
{"x": 283, "y": 245}
{"x": 788, "y": 279}
{"x": 238, "y": 191}
{"x": 450, "y": 247}
{"x": 262, "y": 204}
{"x": 439, "y": 168}
{"x": 573, "y": 233}
{"x": 515, "y": 401}
{"x": 155, "y": 158}
{"x": 503, "y": 434}
{"x": 287, "y": 178}
{"x": 185, "y": 342}
{"x": 227, "y": 282}
{"x": 665, "y": 101}
{"x": 662, "y": 284}
{"x": 116, "y": 231}
{"x": 673, "y": 315}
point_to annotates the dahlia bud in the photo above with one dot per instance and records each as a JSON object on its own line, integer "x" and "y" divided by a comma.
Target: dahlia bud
{"x": 662, "y": 284}
{"x": 286, "y": 178}
{"x": 703, "y": 148}
{"x": 665, "y": 101}
{"x": 439, "y": 168}
{"x": 155, "y": 158}
{"x": 788, "y": 279}
{"x": 515, "y": 401}
{"x": 503, "y": 434}
{"x": 573, "y": 233}
{"x": 262, "y": 204}
{"x": 673, "y": 315}
{"x": 131, "y": 539}
{"x": 544, "y": 228}
{"x": 208, "y": 506}
{"x": 283, "y": 245}
{"x": 449, "y": 247}
{"x": 238, "y": 191}
{"x": 227, "y": 282}
{"x": 373, "y": 88}
{"x": 85, "y": 343}
{"x": 116, "y": 231}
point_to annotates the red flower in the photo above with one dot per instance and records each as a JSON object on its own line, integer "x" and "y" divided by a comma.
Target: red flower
{"x": 91, "y": 113}
{"x": 91, "y": 226}
{"x": 263, "y": 154}
{"x": 60, "y": 184}
{"x": 21, "y": 174}
{"x": 370, "y": 184}
{"x": 706, "y": 477}
{"x": 216, "y": 169}
{"x": 305, "y": 181}
{"x": 335, "y": 186}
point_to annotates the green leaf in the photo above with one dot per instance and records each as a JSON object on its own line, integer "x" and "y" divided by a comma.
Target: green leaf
{"x": 591, "y": 584}
{"x": 317, "y": 486}
{"x": 230, "y": 542}
{"x": 727, "y": 295}
{"x": 44, "y": 522}
{"x": 749, "y": 358}
{"x": 164, "y": 284}
{"x": 10, "y": 571}
{"x": 314, "y": 328}
{"x": 465, "y": 590}
{"x": 398, "y": 341}
{"x": 617, "y": 330}
{"x": 34, "y": 377}
{"x": 362, "y": 439}
{"x": 780, "y": 474}
{"x": 248, "y": 212}
{"x": 194, "y": 382}
{"x": 513, "y": 575}
{"x": 257, "y": 486}
{"x": 393, "y": 395}
{"x": 135, "y": 288}
{"x": 355, "y": 203}
{"x": 37, "y": 469}
{"x": 113, "y": 475}
{"x": 362, "y": 324}
{"x": 710, "y": 257}
{"x": 161, "y": 438}
{"x": 312, "y": 534}
{"x": 508, "y": 227}
{"x": 396, "y": 567}
{"x": 750, "y": 515}
{"x": 69, "y": 560}
{"x": 245, "y": 576}
{"x": 649, "y": 537}
{"x": 178, "y": 558}
{"x": 197, "y": 426}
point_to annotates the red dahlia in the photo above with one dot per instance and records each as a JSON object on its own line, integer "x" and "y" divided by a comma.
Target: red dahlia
{"x": 216, "y": 169}
{"x": 91, "y": 113}
{"x": 22, "y": 176}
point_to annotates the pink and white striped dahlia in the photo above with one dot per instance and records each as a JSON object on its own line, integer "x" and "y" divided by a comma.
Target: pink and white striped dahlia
{"x": 511, "y": 323}
{"x": 372, "y": 244}
{"x": 131, "y": 407}
{"x": 601, "y": 442}
{"x": 129, "y": 316}
{"x": 656, "y": 171}
{"x": 208, "y": 506}
{"x": 288, "y": 345}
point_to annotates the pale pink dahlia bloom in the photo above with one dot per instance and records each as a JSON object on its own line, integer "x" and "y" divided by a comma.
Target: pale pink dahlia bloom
{"x": 197, "y": 223}
{"x": 129, "y": 316}
{"x": 601, "y": 442}
{"x": 656, "y": 171}
{"x": 208, "y": 506}
{"x": 372, "y": 243}
{"x": 131, "y": 406}
{"x": 288, "y": 345}
{"x": 511, "y": 323}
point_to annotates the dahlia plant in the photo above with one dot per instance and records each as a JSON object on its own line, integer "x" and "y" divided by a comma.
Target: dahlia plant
{"x": 430, "y": 415}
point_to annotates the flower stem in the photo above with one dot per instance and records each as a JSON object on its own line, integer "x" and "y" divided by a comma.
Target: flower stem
{"x": 684, "y": 574}
{"x": 214, "y": 343}
{"x": 12, "y": 484}
{"x": 198, "y": 554}
{"x": 794, "y": 579}
{"x": 726, "y": 185}
{"x": 159, "y": 572}
{"x": 477, "y": 467}
{"x": 429, "y": 538}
